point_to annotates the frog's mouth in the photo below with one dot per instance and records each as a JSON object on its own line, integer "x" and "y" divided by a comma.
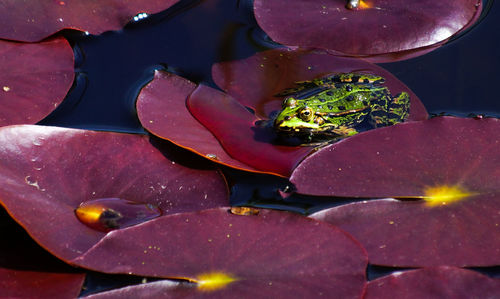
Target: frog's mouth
{"x": 302, "y": 130}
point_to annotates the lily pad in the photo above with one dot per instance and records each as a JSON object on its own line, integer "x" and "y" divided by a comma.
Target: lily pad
{"x": 395, "y": 29}
{"x": 32, "y": 21}
{"x": 213, "y": 125}
{"x": 28, "y": 271}
{"x": 34, "y": 79}
{"x": 267, "y": 254}
{"x": 240, "y": 135}
{"x": 448, "y": 169}
{"x": 255, "y": 80}
{"x": 43, "y": 182}
{"x": 413, "y": 234}
{"x": 406, "y": 160}
{"x": 436, "y": 282}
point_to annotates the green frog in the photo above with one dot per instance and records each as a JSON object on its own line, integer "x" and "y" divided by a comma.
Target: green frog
{"x": 331, "y": 107}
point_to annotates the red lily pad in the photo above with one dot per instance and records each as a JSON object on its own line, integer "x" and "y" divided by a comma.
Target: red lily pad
{"x": 27, "y": 271}
{"x": 34, "y": 79}
{"x": 267, "y": 254}
{"x": 213, "y": 125}
{"x": 448, "y": 165}
{"x": 32, "y": 21}
{"x": 438, "y": 282}
{"x": 406, "y": 159}
{"x": 43, "y": 182}
{"x": 239, "y": 135}
{"x": 255, "y": 80}
{"x": 395, "y": 29}
{"x": 413, "y": 234}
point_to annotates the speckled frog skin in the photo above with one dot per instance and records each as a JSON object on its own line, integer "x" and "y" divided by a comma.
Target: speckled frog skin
{"x": 332, "y": 106}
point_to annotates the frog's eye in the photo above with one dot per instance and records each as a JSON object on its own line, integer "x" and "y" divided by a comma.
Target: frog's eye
{"x": 306, "y": 114}
{"x": 289, "y": 102}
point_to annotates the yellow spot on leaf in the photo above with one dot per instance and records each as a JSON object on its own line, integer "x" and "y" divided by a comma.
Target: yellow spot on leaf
{"x": 443, "y": 195}
{"x": 214, "y": 281}
{"x": 6, "y": 88}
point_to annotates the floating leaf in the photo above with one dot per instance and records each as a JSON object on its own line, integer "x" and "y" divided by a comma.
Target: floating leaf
{"x": 237, "y": 141}
{"x": 447, "y": 165}
{"x": 242, "y": 138}
{"x": 270, "y": 254}
{"x": 413, "y": 234}
{"x": 407, "y": 160}
{"x": 34, "y": 79}
{"x": 239, "y": 134}
{"x": 43, "y": 182}
{"x": 381, "y": 30}
{"x": 33, "y": 21}
{"x": 256, "y": 80}
{"x": 438, "y": 282}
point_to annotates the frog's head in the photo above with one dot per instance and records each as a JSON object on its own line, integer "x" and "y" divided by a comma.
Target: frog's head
{"x": 297, "y": 117}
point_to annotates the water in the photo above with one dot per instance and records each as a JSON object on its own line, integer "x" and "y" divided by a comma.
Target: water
{"x": 459, "y": 78}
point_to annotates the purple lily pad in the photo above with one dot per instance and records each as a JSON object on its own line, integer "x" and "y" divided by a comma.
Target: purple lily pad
{"x": 34, "y": 79}
{"x": 406, "y": 159}
{"x": 239, "y": 135}
{"x": 214, "y": 126}
{"x": 449, "y": 163}
{"x": 33, "y": 21}
{"x": 395, "y": 29}
{"x": 43, "y": 182}
{"x": 163, "y": 116}
{"x": 255, "y": 80}
{"x": 414, "y": 234}
{"x": 272, "y": 253}
{"x": 438, "y": 282}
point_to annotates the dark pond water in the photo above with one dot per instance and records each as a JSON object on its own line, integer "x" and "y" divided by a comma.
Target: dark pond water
{"x": 459, "y": 78}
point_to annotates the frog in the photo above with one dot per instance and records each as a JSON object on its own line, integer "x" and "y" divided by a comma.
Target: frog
{"x": 330, "y": 107}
